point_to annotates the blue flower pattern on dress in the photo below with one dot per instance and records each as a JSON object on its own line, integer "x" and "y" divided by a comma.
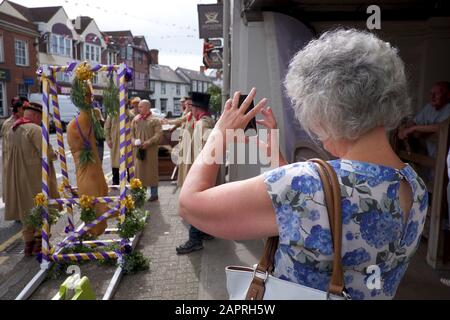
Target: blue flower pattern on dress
{"x": 374, "y": 231}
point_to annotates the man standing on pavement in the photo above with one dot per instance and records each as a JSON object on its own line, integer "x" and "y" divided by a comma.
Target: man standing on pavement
{"x": 186, "y": 124}
{"x": 112, "y": 137}
{"x": 17, "y": 113}
{"x": 23, "y": 173}
{"x": 201, "y": 129}
{"x": 146, "y": 132}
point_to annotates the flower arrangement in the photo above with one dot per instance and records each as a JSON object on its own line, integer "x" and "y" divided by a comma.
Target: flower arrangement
{"x": 34, "y": 219}
{"x": 138, "y": 193}
{"x": 88, "y": 213}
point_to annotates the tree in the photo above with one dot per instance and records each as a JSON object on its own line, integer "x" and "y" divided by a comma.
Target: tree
{"x": 216, "y": 99}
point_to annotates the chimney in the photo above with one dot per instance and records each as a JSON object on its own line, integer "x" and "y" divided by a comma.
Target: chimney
{"x": 77, "y": 23}
{"x": 202, "y": 69}
{"x": 154, "y": 56}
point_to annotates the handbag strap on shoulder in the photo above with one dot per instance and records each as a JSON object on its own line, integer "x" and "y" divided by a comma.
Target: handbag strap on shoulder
{"x": 332, "y": 194}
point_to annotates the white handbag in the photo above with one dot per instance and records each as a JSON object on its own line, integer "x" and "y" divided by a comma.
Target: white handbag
{"x": 244, "y": 283}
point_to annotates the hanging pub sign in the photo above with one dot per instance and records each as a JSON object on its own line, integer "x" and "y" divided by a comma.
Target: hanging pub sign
{"x": 210, "y": 19}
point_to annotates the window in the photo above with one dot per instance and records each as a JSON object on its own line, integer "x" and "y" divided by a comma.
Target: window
{"x": 129, "y": 53}
{"x": 194, "y": 85}
{"x": 123, "y": 53}
{"x": 176, "y": 106}
{"x": 2, "y": 99}
{"x": 68, "y": 44}
{"x": 139, "y": 57}
{"x": 22, "y": 90}
{"x": 21, "y": 53}
{"x": 178, "y": 89}
{"x": 92, "y": 52}
{"x": 163, "y": 105}
{"x": 62, "y": 77}
{"x": 112, "y": 58}
{"x": 163, "y": 88}
{"x": 2, "y": 53}
{"x": 152, "y": 86}
{"x": 60, "y": 45}
{"x": 53, "y": 44}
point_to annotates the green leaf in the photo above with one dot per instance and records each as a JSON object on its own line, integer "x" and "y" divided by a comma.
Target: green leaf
{"x": 86, "y": 157}
{"x": 364, "y": 190}
{"x": 111, "y": 99}
{"x": 78, "y": 95}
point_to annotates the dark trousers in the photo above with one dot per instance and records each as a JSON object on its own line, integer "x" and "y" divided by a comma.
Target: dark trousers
{"x": 116, "y": 176}
{"x": 196, "y": 235}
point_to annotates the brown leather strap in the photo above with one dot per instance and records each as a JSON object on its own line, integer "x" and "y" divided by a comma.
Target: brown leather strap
{"x": 332, "y": 195}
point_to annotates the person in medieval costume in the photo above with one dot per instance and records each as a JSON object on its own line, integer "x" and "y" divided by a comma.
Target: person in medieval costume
{"x": 146, "y": 132}
{"x": 134, "y": 106}
{"x": 204, "y": 123}
{"x": 186, "y": 124}
{"x": 17, "y": 113}
{"x": 24, "y": 173}
{"x": 112, "y": 136}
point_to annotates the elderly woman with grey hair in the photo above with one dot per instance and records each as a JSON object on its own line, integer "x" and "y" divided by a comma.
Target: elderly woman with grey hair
{"x": 348, "y": 89}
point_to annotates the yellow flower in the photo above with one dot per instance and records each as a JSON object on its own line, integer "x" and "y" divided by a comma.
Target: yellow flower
{"x": 135, "y": 183}
{"x": 86, "y": 201}
{"x": 40, "y": 200}
{"x": 83, "y": 72}
{"x": 128, "y": 203}
{"x": 62, "y": 188}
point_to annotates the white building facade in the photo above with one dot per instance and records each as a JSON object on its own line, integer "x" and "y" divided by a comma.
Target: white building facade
{"x": 167, "y": 88}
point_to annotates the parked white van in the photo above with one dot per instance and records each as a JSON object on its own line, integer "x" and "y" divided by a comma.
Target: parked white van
{"x": 67, "y": 109}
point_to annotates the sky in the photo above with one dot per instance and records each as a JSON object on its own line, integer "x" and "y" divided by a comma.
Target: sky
{"x": 171, "y": 26}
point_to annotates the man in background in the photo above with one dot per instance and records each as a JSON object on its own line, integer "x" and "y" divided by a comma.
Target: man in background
{"x": 24, "y": 173}
{"x": 428, "y": 119}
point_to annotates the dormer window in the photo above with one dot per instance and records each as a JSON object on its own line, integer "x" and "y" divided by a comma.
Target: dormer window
{"x": 60, "y": 45}
{"x": 91, "y": 52}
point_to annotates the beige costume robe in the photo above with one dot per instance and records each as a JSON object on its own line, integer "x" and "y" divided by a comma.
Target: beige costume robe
{"x": 148, "y": 130}
{"x": 112, "y": 136}
{"x": 185, "y": 154}
{"x": 6, "y": 128}
{"x": 202, "y": 129}
{"x": 24, "y": 173}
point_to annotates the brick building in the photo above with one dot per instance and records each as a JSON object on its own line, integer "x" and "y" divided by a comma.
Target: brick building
{"x": 133, "y": 51}
{"x": 18, "y": 55}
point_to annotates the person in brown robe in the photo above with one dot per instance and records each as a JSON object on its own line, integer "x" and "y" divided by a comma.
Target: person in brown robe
{"x": 186, "y": 124}
{"x": 146, "y": 132}
{"x": 112, "y": 136}
{"x": 17, "y": 113}
{"x": 201, "y": 129}
{"x": 24, "y": 173}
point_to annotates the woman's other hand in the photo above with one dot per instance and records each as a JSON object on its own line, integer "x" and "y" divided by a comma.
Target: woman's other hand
{"x": 268, "y": 120}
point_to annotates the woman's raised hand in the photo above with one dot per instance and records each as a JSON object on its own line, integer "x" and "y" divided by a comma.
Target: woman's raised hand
{"x": 234, "y": 117}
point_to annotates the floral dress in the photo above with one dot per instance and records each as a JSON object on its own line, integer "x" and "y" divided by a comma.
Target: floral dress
{"x": 377, "y": 244}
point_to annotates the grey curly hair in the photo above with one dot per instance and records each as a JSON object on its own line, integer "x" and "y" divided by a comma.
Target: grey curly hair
{"x": 346, "y": 83}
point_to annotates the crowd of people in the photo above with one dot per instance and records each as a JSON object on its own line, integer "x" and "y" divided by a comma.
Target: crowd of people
{"x": 384, "y": 201}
